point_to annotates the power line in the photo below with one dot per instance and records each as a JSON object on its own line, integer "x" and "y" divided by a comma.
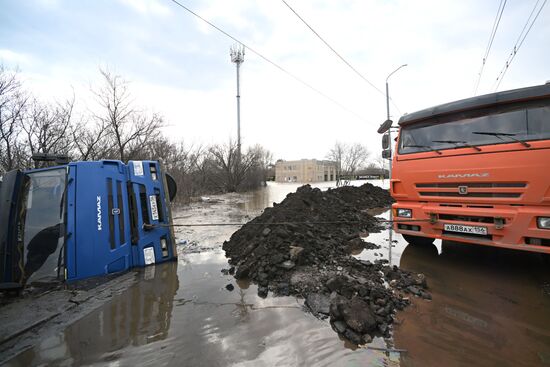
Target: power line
{"x": 268, "y": 60}
{"x": 220, "y": 224}
{"x": 332, "y": 49}
{"x": 519, "y": 42}
{"x": 491, "y": 39}
{"x": 337, "y": 54}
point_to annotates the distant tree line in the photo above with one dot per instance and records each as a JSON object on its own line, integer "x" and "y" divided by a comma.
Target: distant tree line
{"x": 117, "y": 129}
{"x": 348, "y": 158}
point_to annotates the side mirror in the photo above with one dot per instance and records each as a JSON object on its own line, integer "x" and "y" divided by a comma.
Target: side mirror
{"x": 172, "y": 187}
{"x": 386, "y": 154}
{"x": 385, "y": 141}
{"x": 385, "y": 126}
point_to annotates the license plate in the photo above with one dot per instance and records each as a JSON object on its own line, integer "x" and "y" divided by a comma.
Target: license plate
{"x": 154, "y": 209}
{"x": 465, "y": 229}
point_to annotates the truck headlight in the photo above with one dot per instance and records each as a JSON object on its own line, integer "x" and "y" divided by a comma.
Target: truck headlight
{"x": 406, "y": 213}
{"x": 543, "y": 222}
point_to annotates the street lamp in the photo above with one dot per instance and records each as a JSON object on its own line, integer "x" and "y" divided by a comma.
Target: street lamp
{"x": 386, "y": 126}
{"x": 388, "y": 112}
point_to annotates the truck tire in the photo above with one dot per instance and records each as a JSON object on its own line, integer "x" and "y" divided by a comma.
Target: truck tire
{"x": 418, "y": 241}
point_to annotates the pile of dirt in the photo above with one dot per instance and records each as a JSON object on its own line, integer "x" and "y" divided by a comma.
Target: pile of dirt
{"x": 302, "y": 247}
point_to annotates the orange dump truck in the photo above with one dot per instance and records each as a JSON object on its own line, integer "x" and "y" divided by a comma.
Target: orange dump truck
{"x": 476, "y": 171}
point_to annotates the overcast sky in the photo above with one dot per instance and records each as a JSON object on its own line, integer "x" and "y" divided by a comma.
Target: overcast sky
{"x": 180, "y": 66}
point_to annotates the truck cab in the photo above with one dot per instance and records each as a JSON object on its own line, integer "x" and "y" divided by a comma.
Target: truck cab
{"x": 83, "y": 219}
{"x": 476, "y": 171}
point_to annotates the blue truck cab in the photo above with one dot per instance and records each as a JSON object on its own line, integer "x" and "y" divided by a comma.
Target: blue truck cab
{"x": 84, "y": 219}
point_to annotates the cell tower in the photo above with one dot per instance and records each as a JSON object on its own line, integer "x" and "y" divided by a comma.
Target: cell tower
{"x": 237, "y": 56}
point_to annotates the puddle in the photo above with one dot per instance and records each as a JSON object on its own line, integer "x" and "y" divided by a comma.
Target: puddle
{"x": 489, "y": 307}
{"x": 386, "y": 252}
{"x": 182, "y": 314}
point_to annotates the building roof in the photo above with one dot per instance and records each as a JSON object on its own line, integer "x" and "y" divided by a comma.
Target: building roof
{"x": 281, "y": 161}
{"x": 484, "y": 101}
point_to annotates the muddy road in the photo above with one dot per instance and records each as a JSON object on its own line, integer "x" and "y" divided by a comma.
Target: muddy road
{"x": 488, "y": 308}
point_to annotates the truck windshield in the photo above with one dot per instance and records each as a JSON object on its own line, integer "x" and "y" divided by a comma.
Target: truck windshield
{"x": 44, "y": 233}
{"x": 496, "y": 127}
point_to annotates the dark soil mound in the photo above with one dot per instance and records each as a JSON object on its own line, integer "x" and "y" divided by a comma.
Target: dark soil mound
{"x": 302, "y": 247}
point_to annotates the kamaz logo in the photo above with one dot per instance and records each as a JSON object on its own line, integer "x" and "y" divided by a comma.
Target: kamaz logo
{"x": 99, "y": 213}
{"x": 464, "y": 175}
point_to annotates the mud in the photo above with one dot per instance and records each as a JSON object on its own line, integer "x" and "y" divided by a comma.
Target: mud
{"x": 303, "y": 247}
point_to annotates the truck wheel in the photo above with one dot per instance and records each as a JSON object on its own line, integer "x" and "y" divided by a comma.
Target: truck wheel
{"x": 417, "y": 240}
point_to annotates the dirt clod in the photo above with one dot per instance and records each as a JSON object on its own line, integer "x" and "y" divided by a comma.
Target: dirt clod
{"x": 302, "y": 247}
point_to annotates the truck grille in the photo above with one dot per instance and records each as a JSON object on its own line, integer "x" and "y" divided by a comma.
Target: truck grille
{"x": 472, "y": 189}
{"x": 467, "y": 218}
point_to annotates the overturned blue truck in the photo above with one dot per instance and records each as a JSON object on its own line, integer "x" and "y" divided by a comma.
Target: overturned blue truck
{"x": 84, "y": 219}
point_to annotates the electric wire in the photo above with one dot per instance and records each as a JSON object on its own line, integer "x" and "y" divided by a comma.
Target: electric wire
{"x": 161, "y": 225}
{"x": 268, "y": 60}
{"x": 338, "y": 54}
{"x": 332, "y": 49}
{"x": 519, "y": 42}
{"x": 490, "y": 43}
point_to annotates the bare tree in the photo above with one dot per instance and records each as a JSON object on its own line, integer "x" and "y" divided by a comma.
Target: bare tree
{"x": 118, "y": 130}
{"x": 348, "y": 158}
{"x": 261, "y": 161}
{"x": 336, "y": 154}
{"x": 265, "y": 157}
{"x": 202, "y": 171}
{"x": 13, "y": 102}
{"x": 229, "y": 171}
{"x": 128, "y": 127}
{"x": 144, "y": 131}
{"x": 48, "y": 128}
{"x": 90, "y": 142}
{"x": 379, "y": 162}
{"x": 355, "y": 156}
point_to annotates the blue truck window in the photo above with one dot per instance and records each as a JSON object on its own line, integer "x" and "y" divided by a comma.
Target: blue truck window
{"x": 44, "y": 225}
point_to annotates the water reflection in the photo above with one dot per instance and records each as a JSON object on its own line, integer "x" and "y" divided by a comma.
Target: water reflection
{"x": 488, "y": 308}
{"x": 391, "y": 249}
{"x": 139, "y": 316}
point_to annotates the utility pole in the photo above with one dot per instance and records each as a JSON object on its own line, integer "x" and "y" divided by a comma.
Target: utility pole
{"x": 237, "y": 56}
{"x": 388, "y": 112}
{"x": 391, "y": 159}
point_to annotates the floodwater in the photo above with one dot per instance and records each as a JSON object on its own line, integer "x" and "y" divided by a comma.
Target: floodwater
{"x": 489, "y": 308}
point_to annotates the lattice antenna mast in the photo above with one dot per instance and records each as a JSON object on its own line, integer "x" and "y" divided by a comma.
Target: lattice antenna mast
{"x": 237, "y": 56}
